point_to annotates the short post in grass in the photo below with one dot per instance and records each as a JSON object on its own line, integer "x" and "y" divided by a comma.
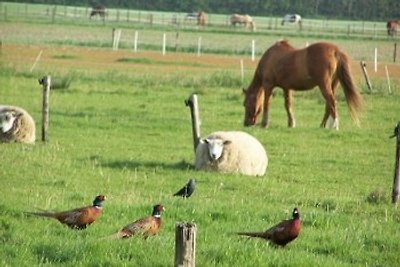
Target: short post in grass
{"x": 395, "y": 52}
{"x": 191, "y": 102}
{"x": 164, "y": 43}
{"x": 199, "y": 46}
{"x": 185, "y": 244}
{"x": 253, "y": 50}
{"x": 388, "y": 79}
{"x": 135, "y": 41}
{"x": 116, "y": 35}
{"x": 53, "y": 14}
{"x": 364, "y": 69}
{"x": 46, "y": 83}
{"x": 396, "y": 182}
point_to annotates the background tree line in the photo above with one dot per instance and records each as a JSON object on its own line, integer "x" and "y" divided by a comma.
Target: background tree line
{"x": 335, "y": 9}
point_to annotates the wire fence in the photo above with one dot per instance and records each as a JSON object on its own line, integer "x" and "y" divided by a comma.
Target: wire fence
{"x": 173, "y": 31}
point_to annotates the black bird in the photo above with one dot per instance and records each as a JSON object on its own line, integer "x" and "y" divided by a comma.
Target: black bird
{"x": 187, "y": 190}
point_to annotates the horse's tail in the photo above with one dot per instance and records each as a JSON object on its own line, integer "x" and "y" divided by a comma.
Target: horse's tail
{"x": 353, "y": 97}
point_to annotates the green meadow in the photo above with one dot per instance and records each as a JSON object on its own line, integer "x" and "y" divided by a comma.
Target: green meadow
{"x": 125, "y": 132}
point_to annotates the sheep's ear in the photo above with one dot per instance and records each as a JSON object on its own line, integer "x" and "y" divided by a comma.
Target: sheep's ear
{"x": 17, "y": 114}
{"x": 206, "y": 141}
{"x": 227, "y": 142}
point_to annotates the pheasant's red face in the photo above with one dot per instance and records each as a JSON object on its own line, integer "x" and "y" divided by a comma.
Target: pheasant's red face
{"x": 101, "y": 197}
{"x": 296, "y": 213}
{"x": 160, "y": 207}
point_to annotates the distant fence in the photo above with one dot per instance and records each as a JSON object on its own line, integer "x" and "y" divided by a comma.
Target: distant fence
{"x": 60, "y": 13}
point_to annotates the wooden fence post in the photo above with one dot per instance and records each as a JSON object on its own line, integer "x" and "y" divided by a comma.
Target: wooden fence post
{"x": 191, "y": 102}
{"x": 53, "y": 14}
{"x": 46, "y": 83}
{"x": 363, "y": 67}
{"x": 185, "y": 244}
{"x": 396, "y": 182}
{"x": 395, "y": 52}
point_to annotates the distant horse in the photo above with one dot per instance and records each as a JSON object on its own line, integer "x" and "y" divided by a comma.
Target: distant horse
{"x": 200, "y": 17}
{"x": 391, "y": 27}
{"x": 320, "y": 64}
{"x": 98, "y": 10}
{"x": 292, "y": 18}
{"x": 243, "y": 19}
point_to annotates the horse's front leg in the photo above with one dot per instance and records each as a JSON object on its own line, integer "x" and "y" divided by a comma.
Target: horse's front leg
{"x": 267, "y": 102}
{"x": 288, "y": 106}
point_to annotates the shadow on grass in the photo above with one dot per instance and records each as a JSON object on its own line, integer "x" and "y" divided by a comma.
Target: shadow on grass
{"x": 128, "y": 164}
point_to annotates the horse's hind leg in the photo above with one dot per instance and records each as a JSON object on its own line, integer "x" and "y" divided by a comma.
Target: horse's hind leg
{"x": 288, "y": 106}
{"x": 330, "y": 119}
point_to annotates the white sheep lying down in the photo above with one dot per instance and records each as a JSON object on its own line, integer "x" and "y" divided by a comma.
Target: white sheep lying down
{"x": 16, "y": 125}
{"x": 231, "y": 152}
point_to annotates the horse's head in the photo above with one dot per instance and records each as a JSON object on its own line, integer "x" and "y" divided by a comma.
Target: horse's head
{"x": 252, "y": 105}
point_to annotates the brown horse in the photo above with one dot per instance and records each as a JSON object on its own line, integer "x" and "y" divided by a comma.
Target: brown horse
{"x": 244, "y": 20}
{"x": 392, "y": 26}
{"x": 320, "y": 64}
{"x": 98, "y": 10}
{"x": 201, "y": 18}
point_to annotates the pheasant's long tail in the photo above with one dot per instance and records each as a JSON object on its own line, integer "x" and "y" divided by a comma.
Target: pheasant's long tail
{"x": 254, "y": 234}
{"x": 117, "y": 235}
{"x": 43, "y": 214}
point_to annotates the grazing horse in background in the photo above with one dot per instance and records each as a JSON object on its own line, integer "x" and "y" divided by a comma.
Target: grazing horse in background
{"x": 320, "y": 64}
{"x": 199, "y": 16}
{"x": 392, "y": 26}
{"x": 243, "y": 19}
{"x": 98, "y": 10}
{"x": 292, "y": 18}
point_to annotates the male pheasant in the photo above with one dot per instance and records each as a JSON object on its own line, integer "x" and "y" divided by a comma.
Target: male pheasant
{"x": 147, "y": 226}
{"x": 282, "y": 233}
{"x": 78, "y": 218}
{"x": 187, "y": 190}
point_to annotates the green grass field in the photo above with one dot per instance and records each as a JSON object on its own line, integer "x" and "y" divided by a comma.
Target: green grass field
{"x": 125, "y": 132}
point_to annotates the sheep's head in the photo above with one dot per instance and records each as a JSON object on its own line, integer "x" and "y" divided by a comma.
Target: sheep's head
{"x": 7, "y": 120}
{"x": 215, "y": 147}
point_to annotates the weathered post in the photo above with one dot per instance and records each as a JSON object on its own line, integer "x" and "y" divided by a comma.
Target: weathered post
{"x": 53, "y": 14}
{"x": 364, "y": 69}
{"x": 113, "y": 37}
{"x": 185, "y": 244}
{"x": 194, "y": 112}
{"x": 396, "y": 182}
{"x": 45, "y": 82}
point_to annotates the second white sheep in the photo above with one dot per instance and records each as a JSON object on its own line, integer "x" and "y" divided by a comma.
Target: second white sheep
{"x": 231, "y": 152}
{"x": 16, "y": 125}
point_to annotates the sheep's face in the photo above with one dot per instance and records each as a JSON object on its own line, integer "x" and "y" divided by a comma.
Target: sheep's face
{"x": 215, "y": 147}
{"x": 7, "y": 120}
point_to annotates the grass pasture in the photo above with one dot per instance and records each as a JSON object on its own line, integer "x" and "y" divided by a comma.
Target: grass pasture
{"x": 121, "y": 128}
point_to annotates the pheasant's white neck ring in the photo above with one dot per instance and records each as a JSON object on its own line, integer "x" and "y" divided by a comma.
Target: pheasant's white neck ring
{"x": 157, "y": 215}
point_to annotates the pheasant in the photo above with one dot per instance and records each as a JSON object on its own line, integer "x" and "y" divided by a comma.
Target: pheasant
{"x": 282, "y": 233}
{"x": 187, "y": 190}
{"x": 78, "y": 218}
{"x": 145, "y": 227}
